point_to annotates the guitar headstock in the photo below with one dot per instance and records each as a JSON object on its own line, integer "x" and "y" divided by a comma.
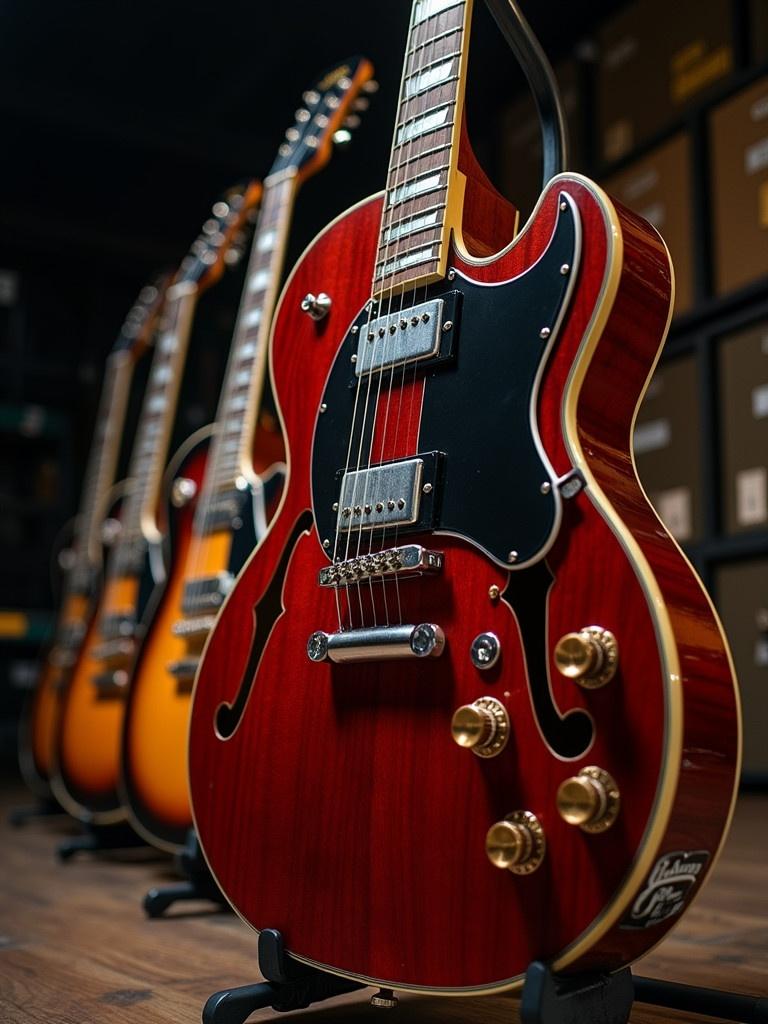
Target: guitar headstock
{"x": 223, "y": 236}
{"x": 328, "y": 111}
{"x": 138, "y": 330}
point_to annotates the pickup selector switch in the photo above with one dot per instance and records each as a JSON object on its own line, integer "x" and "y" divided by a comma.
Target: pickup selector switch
{"x": 517, "y": 843}
{"x": 482, "y": 727}
{"x": 589, "y": 800}
{"x": 589, "y": 657}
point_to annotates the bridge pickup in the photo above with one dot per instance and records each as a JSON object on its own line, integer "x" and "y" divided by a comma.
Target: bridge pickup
{"x": 206, "y": 594}
{"x": 392, "y": 494}
{"x": 114, "y": 650}
{"x": 422, "y": 332}
{"x": 410, "y": 559}
{"x": 110, "y": 684}
{"x": 377, "y": 643}
{"x": 114, "y": 627}
{"x": 200, "y": 625}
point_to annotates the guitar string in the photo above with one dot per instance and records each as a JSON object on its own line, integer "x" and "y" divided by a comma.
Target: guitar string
{"x": 404, "y": 155}
{"x": 352, "y": 500}
{"x": 422, "y": 103}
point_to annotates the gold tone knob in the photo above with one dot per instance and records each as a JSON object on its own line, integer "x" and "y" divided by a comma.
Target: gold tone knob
{"x": 590, "y": 800}
{"x": 589, "y": 657}
{"x": 482, "y": 727}
{"x": 516, "y": 844}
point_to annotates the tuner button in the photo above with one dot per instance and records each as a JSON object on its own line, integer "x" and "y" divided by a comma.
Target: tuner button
{"x": 342, "y": 137}
{"x": 311, "y": 97}
{"x": 220, "y": 209}
{"x": 361, "y": 103}
{"x": 590, "y": 800}
{"x": 589, "y": 657}
{"x": 292, "y": 134}
{"x": 302, "y": 115}
{"x": 371, "y": 86}
{"x": 482, "y": 727}
{"x": 517, "y": 843}
{"x": 352, "y": 121}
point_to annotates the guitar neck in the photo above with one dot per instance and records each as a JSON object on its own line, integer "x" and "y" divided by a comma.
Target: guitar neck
{"x": 424, "y": 192}
{"x": 102, "y": 462}
{"x": 243, "y": 388}
{"x": 150, "y": 449}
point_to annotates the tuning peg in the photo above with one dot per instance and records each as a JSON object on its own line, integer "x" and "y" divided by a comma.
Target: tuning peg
{"x": 332, "y": 102}
{"x": 211, "y": 226}
{"x": 361, "y": 103}
{"x": 371, "y": 86}
{"x": 148, "y": 293}
{"x": 220, "y": 209}
{"x": 342, "y": 137}
{"x": 311, "y": 97}
{"x": 344, "y": 83}
{"x": 233, "y": 255}
{"x": 292, "y": 134}
{"x": 311, "y": 142}
{"x": 302, "y": 115}
{"x": 352, "y": 121}
{"x": 284, "y": 150}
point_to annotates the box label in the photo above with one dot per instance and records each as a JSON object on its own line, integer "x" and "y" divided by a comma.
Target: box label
{"x": 651, "y": 436}
{"x": 674, "y": 508}
{"x": 752, "y": 496}
{"x": 760, "y": 402}
{"x": 692, "y": 72}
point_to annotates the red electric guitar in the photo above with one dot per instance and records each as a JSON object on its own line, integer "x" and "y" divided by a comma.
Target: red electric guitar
{"x": 82, "y": 575}
{"x": 221, "y": 502}
{"x": 468, "y": 705}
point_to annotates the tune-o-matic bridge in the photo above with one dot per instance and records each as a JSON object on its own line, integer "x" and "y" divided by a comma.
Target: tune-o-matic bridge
{"x": 410, "y": 560}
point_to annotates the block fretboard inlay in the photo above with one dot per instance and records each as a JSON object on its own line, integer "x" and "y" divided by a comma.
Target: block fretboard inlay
{"x": 413, "y": 230}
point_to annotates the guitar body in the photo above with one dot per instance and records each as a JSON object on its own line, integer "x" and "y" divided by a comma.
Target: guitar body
{"x": 39, "y": 723}
{"x": 92, "y": 702}
{"x": 330, "y": 799}
{"x": 156, "y": 724}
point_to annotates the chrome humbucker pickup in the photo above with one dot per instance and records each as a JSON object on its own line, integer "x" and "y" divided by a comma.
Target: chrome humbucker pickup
{"x": 411, "y": 559}
{"x": 385, "y": 495}
{"x": 402, "y": 336}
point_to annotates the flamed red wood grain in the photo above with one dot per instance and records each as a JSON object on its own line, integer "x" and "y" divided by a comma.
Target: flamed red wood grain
{"x": 340, "y": 811}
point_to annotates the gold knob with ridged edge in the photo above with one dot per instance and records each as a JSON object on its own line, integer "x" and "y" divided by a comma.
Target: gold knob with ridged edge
{"x": 589, "y": 657}
{"x": 517, "y": 843}
{"x": 590, "y": 800}
{"x": 482, "y": 727}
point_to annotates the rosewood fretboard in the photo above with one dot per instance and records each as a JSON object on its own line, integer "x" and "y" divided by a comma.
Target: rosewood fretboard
{"x": 421, "y": 187}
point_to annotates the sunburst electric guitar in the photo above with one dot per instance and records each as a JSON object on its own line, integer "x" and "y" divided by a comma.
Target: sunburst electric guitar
{"x": 224, "y": 492}
{"x": 467, "y": 705}
{"x": 82, "y": 573}
{"x": 87, "y": 746}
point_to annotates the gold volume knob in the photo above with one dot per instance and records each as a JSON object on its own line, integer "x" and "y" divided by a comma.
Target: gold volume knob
{"x": 516, "y": 844}
{"x": 590, "y": 800}
{"x": 482, "y": 727}
{"x": 589, "y": 657}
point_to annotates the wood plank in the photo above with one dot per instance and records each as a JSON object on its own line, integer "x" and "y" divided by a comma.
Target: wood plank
{"x": 75, "y": 946}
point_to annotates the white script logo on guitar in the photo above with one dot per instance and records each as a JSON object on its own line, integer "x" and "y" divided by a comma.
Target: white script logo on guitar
{"x": 667, "y": 888}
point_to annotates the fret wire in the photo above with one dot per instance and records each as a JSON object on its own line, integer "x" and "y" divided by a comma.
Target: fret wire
{"x": 434, "y": 39}
{"x": 426, "y": 113}
{"x": 428, "y": 88}
{"x": 411, "y": 248}
{"x": 422, "y": 68}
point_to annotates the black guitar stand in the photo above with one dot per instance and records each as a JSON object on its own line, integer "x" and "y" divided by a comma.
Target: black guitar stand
{"x": 546, "y": 998}
{"x": 198, "y": 881}
{"x": 288, "y": 986}
{"x": 44, "y": 808}
{"x": 100, "y": 839}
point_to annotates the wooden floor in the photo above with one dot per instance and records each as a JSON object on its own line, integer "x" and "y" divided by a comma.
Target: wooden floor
{"x": 75, "y": 947}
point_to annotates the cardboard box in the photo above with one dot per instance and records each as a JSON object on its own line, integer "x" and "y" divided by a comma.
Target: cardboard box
{"x": 520, "y": 144}
{"x": 658, "y": 188}
{"x": 741, "y": 592}
{"x": 655, "y": 60}
{"x": 739, "y": 160}
{"x": 743, "y": 364}
{"x": 666, "y": 444}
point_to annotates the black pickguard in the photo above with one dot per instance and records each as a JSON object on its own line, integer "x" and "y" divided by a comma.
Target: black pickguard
{"x": 265, "y": 613}
{"x": 476, "y": 410}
